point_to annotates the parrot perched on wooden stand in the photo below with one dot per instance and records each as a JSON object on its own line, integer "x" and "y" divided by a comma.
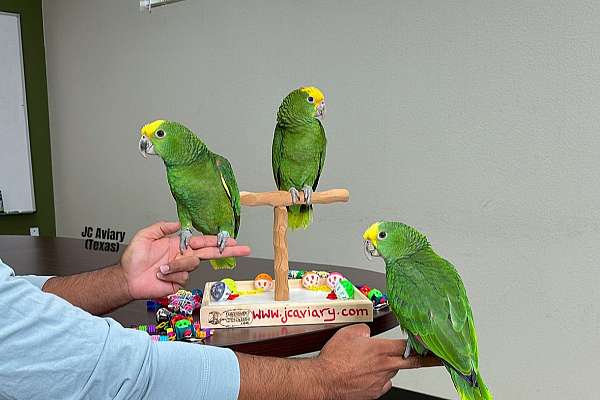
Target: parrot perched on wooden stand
{"x": 298, "y": 151}
{"x": 429, "y": 299}
{"x": 202, "y": 183}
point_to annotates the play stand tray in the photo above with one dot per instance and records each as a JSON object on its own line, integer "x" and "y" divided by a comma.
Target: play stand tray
{"x": 303, "y": 307}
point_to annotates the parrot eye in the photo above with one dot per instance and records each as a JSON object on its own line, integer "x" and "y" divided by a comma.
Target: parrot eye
{"x": 382, "y": 235}
{"x": 160, "y": 134}
{"x": 310, "y": 99}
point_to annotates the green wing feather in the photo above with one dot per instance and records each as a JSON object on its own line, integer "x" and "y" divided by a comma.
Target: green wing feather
{"x": 436, "y": 310}
{"x": 430, "y": 301}
{"x": 231, "y": 187}
{"x": 276, "y": 151}
{"x": 307, "y": 141}
{"x": 321, "y": 156}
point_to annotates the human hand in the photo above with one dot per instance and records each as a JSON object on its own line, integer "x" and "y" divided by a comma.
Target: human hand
{"x": 361, "y": 367}
{"x": 154, "y": 267}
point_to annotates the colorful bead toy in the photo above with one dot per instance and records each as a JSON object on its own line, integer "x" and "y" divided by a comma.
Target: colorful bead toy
{"x": 364, "y": 289}
{"x": 263, "y": 281}
{"x": 230, "y": 284}
{"x": 171, "y": 334}
{"x": 182, "y": 301}
{"x": 197, "y": 297}
{"x": 219, "y": 291}
{"x": 163, "y": 314}
{"x": 311, "y": 280}
{"x": 162, "y": 327}
{"x": 323, "y": 274}
{"x": 344, "y": 289}
{"x": 374, "y": 294}
{"x": 183, "y": 329}
{"x": 333, "y": 279}
{"x": 152, "y": 305}
{"x": 295, "y": 274}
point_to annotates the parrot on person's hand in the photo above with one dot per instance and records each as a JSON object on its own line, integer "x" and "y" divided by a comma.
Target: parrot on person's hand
{"x": 202, "y": 183}
{"x": 429, "y": 299}
{"x": 298, "y": 151}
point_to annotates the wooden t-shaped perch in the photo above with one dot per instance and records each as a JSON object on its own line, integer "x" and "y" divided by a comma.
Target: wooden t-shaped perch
{"x": 279, "y": 200}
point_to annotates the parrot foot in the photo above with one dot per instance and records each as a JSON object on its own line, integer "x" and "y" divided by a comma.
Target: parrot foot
{"x": 184, "y": 239}
{"x": 407, "y": 350}
{"x": 295, "y": 195}
{"x": 222, "y": 240}
{"x": 308, "y": 191}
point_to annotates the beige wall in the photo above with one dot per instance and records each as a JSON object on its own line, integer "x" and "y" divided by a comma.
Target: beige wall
{"x": 477, "y": 122}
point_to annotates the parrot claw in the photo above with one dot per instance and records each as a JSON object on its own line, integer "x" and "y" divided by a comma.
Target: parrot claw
{"x": 184, "y": 239}
{"x": 295, "y": 195}
{"x": 308, "y": 191}
{"x": 222, "y": 240}
{"x": 407, "y": 350}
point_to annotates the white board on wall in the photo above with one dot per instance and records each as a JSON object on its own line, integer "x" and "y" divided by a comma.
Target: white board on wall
{"x": 16, "y": 179}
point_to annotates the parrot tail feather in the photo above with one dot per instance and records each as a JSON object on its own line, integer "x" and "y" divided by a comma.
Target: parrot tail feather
{"x": 223, "y": 263}
{"x": 466, "y": 389}
{"x": 299, "y": 216}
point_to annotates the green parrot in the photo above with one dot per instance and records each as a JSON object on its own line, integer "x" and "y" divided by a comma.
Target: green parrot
{"x": 429, "y": 299}
{"x": 298, "y": 151}
{"x": 202, "y": 183}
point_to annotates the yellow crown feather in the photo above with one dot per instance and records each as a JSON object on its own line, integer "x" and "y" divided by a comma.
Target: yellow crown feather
{"x": 314, "y": 92}
{"x": 149, "y": 129}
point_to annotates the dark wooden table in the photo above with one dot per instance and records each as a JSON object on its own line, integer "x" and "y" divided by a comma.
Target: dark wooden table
{"x": 62, "y": 256}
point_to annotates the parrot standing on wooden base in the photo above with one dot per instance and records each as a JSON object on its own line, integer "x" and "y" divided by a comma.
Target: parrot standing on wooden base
{"x": 298, "y": 151}
{"x": 202, "y": 183}
{"x": 429, "y": 299}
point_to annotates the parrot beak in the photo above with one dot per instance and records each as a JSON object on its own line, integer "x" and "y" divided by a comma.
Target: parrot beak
{"x": 370, "y": 243}
{"x": 320, "y": 113}
{"x": 146, "y": 146}
{"x": 370, "y": 250}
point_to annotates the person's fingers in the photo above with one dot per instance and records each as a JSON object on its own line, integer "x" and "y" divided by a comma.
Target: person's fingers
{"x": 386, "y": 388}
{"x": 176, "y": 277}
{"x": 184, "y": 263}
{"x": 198, "y": 242}
{"x": 209, "y": 253}
{"x": 392, "y": 347}
{"x": 158, "y": 230}
{"x": 356, "y": 330}
{"x": 390, "y": 374}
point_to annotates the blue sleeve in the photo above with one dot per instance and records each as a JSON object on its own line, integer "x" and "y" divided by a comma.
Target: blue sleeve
{"x": 51, "y": 349}
{"x": 35, "y": 280}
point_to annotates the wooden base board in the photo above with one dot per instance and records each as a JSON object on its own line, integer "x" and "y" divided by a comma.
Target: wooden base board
{"x": 304, "y": 307}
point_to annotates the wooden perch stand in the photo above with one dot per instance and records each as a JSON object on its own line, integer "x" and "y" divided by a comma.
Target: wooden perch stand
{"x": 279, "y": 200}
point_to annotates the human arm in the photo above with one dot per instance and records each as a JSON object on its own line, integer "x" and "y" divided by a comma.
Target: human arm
{"x": 351, "y": 365}
{"x": 150, "y": 267}
{"x": 52, "y": 350}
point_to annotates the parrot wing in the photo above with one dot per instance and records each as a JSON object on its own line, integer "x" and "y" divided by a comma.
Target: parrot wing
{"x": 321, "y": 156}
{"x": 442, "y": 319}
{"x": 231, "y": 187}
{"x": 276, "y": 151}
